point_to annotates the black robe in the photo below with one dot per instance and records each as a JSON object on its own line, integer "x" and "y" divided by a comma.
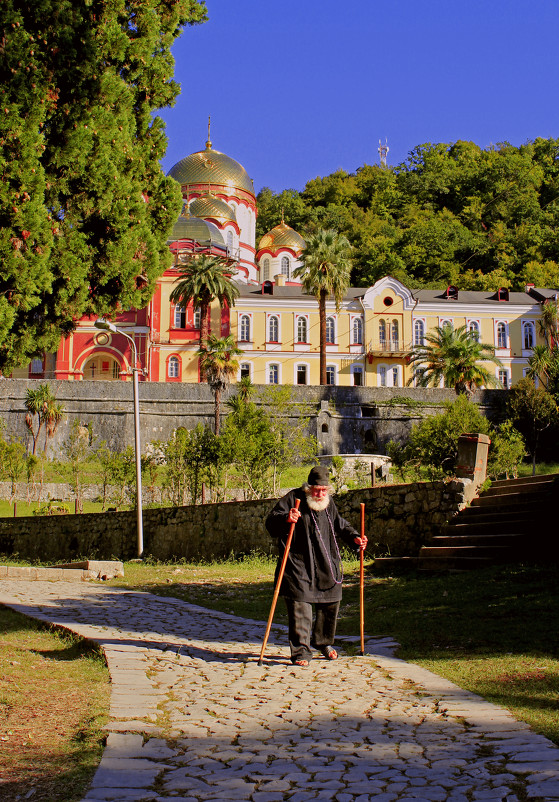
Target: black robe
{"x": 313, "y": 570}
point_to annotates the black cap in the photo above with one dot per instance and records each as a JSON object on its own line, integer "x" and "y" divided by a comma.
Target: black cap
{"x": 319, "y": 476}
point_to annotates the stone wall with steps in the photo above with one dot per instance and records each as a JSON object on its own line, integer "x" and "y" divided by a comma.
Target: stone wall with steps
{"x": 399, "y": 519}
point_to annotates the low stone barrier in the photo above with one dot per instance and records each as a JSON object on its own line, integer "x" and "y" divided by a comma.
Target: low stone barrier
{"x": 399, "y": 520}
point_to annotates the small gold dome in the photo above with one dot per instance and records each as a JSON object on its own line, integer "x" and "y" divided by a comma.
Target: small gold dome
{"x": 207, "y": 205}
{"x": 282, "y": 236}
{"x": 211, "y": 167}
{"x": 200, "y": 231}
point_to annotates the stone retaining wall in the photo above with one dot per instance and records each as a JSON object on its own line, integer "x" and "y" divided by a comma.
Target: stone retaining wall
{"x": 347, "y": 420}
{"x": 399, "y": 519}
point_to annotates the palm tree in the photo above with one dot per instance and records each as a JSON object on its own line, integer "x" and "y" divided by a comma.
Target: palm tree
{"x": 454, "y": 356}
{"x": 52, "y": 414}
{"x": 201, "y": 280}
{"x": 40, "y": 402}
{"x": 325, "y": 272}
{"x": 549, "y": 323}
{"x": 218, "y": 363}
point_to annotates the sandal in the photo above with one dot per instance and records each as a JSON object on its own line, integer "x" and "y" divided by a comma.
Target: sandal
{"x": 329, "y": 652}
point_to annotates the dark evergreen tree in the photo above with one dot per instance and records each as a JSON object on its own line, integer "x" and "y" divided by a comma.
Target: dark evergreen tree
{"x": 85, "y": 208}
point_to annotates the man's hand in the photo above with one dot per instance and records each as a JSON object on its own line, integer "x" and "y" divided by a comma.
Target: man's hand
{"x": 293, "y": 516}
{"x": 361, "y": 541}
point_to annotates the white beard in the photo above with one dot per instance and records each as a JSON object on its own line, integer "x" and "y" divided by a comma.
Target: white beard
{"x": 317, "y": 504}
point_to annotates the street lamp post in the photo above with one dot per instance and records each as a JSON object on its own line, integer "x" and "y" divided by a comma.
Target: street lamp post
{"x": 106, "y": 325}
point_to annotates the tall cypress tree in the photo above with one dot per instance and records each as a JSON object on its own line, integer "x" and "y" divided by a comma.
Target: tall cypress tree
{"x": 85, "y": 208}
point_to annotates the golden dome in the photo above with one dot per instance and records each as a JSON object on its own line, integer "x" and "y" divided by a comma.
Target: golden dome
{"x": 201, "y": 231}
{"x": 211, "y": 167}
{"x": 207, "y": 205}
{"x": 282, "y": 236}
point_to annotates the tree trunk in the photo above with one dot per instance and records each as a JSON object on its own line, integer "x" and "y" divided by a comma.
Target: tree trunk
{"x": 217, "y": 392}
{"x": 204, "y": 331}
{"x": 322, "y": 333}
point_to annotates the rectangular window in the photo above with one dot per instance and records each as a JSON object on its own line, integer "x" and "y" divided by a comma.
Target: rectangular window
{"x": 301, "y": 374}
{"x": 330, "y": 375}
{"x": 36, "y": 366}
{"x": 245, "y": 371}
{"x": 394, "y": 377}
{"x": 273, "y": 374}
{"x": 382, "y": 376}
{"x": 504, "y": 378}
{"x": 358, "y": 377}
{"x": 180, "y": 317}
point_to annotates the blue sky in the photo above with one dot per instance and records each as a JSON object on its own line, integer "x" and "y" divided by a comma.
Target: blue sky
{"x": 299, "y": 88}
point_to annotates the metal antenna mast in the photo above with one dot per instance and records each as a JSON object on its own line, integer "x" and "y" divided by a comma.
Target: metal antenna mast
{"x": 383, "y": 152}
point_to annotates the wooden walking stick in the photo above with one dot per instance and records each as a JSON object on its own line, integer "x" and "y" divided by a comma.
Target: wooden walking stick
{"x": 278, "y": 584}
{"x": 362, "y": 584}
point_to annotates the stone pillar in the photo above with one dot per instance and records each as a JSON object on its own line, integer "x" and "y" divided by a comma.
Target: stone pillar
{"x": 472, "y": 457}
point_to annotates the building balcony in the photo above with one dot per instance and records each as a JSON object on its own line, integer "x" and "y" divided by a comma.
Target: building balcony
{"x": 388, "y": 348}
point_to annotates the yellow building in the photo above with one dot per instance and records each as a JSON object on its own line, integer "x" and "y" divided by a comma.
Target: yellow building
{"x": 369, "y": 340}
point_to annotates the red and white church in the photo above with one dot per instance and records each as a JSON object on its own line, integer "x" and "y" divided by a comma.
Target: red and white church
{"x": 218, "y": 218}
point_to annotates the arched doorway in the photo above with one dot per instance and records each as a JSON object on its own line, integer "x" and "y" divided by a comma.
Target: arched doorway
{"x": 101, "y": 367}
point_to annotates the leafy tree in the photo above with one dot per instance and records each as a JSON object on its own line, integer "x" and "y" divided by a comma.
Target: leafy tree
{"x": 77, "y": 448}
{"x": 325, "y": 272}
{"x": 218, "y": 364}
{"x": 506, "y": 452}
{"x": 85, "y": 208}
{"x": 532, "y": 410}
{"x": 12, "y": 462}
{"x": 247, "y": 441}
{"x": 455, "y": 357}
{"x": 202, "y": 280}
{"x": 187, "y": 457}
{"x": 433, "y": 443}
{"x": 452, "y": 212}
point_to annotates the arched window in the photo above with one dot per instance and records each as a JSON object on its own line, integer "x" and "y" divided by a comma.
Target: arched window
{"x": 273, "y": 329}
{"x": 244, "y": 329}
{"x": 419, "y": 332}
{"x": 473, "y": 329}
{"x": 528, "y": 337}
{"x": 273, "y": 374}
{"x": 330, "y": 330}
{"x": 180, "y": 317}
{"x": 266, "y": 270}
{"x": 285, "y": 267}
{"x": 447, "y": 324}
{"x": 229, "y": 241}
{"x": 382, "y": 333}
{"x": 501, "y": 335}
{"x": 173, "y": 367}
{"x": 395, "y": 377}
{"x": 357, "y": 331}
{"x": 394, "y": 333}
{"x": 302, "y": 330}
{"x": 382, "y": 376}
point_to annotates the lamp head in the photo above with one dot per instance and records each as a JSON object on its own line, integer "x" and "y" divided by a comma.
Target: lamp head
{"x": 106, "y": 325}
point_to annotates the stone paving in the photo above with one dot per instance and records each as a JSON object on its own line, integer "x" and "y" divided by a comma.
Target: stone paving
{"x": 193, "y": 716}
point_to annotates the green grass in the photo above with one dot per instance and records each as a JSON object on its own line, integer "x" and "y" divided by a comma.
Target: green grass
{"x": 54, "y": 697}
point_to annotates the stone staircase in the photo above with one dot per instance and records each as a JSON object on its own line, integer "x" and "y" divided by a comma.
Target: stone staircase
{"x": 515, "y": 519}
